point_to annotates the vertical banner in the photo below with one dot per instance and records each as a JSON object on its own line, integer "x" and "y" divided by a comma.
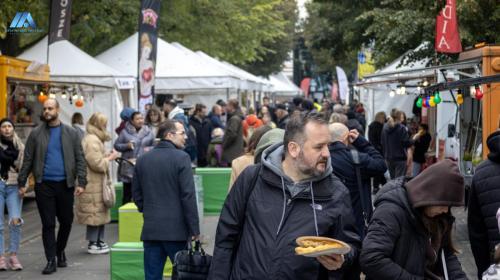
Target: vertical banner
{"x": 335, "y": 92}
{"x": 148, "y": 35}
{"x": 60, "y": 20}
{"x": 366, "y": 65}
{"x": 447, "y": 35}
{"x": 304, "y": 86}
{"x": 343, "y": 84}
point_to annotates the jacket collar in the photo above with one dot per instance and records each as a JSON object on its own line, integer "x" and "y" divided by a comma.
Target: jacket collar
{"x": 337, "y": 146}
{"x": 165, "y": 144}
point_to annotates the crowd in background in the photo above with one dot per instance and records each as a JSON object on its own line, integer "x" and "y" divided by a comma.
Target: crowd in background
{"x": 406, "y": 215}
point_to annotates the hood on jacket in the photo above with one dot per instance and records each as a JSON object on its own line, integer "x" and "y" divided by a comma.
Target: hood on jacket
{"x": 177, "y": 110}
{"x": 439, "y": 185}
{"x": 269, "y": 138}
{"x": 493, "y": 143}
{"x": 272, "y": 159}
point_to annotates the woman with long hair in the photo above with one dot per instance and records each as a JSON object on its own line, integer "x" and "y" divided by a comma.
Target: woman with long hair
{"x": 90, "y": 208}
{"x": 11, "y": 157}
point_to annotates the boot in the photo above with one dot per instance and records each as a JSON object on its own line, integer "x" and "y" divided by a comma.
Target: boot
{"x": 61, "y": 260}
{"x": 50, "y": 268}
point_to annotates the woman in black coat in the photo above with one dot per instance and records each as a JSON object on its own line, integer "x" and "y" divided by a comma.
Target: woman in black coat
{"x": 409, "y": 235}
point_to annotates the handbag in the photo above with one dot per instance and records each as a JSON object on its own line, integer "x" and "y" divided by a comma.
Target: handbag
{"x": 108, "y": 192}
{"x": 192, "y": 264}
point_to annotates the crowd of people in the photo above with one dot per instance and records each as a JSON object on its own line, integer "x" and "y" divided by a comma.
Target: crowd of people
{"x": 299, "y": 168}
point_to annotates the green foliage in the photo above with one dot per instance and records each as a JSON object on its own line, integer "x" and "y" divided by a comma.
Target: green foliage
{"x": 396, "y": 26}
{"x": 255, "y": 34}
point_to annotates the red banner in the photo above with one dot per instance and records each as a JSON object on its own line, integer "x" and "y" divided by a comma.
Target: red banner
{"x": 447, "y": 35}
{"x": 304, "y": 85}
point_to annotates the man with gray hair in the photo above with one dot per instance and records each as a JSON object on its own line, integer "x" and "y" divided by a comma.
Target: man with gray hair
{"x": 338, "y": 108}
{"x": 354, "y": 167}
{"x": 369, "y": 161}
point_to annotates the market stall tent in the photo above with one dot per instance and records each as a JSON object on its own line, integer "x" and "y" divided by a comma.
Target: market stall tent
{"x": 282, "y": 86}
{"x": 177, "y": 72}
{"x": 96, "y": 81}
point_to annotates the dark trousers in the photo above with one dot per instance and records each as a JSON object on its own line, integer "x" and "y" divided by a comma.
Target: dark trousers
{"x": 396, "y": 168}
{"x": 155, "y": 256}
{"x": 127, "y": 193}
{"x": 55, "y": 199}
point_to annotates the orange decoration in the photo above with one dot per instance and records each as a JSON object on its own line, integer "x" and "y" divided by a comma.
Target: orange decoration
{"x": 79, "y": 103}
{"x": 42, "y": 98}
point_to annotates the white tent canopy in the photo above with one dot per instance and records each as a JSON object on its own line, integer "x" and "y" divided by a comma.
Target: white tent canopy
{"x": 69, "y": 64}
{"x": 176, "y": 70}
{"x": 247, "y": 80}
{"x": 282, "y": 86}
{"x": 97, "y": 82}
{"x": 375, "y": 88}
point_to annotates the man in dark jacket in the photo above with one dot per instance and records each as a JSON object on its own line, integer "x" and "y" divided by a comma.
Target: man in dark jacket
{"x": 375, "y": 138}
{"x": 54, "y": 155}
{"x": 369, "y": 163}
{"x": 422, "y": 140}
{"x": 233, "y": 145}
{"x": 282, "y": 115}
{"x": 292, "y": 193}
{"x": 484, "y": 201}
{"x": 395, "y": 142}
{"x": 203, "y": 127}
{"x": 163, "y": 190}
{"x": 410, "y": 231}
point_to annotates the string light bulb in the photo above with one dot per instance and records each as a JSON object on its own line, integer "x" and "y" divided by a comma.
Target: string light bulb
{"x": 479, "y": 94}
{"x": 460, "y": 97}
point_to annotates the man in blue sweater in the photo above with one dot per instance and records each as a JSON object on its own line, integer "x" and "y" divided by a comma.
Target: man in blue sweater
{"x": 54, "y": 155}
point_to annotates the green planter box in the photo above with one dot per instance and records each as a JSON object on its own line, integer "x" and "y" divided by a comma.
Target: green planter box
{"x": 118, "y": 204}
{"x": 215, "y": 183}
{"x": 130, "y": 223}
{"x": 127, "y": 262}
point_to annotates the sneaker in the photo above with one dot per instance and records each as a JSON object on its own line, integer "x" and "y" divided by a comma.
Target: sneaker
{"x": 95, "y": 249}
{"x": 103, "y": 245}
{"x": 14, "y": 263}
{"x": 3, "y": 264}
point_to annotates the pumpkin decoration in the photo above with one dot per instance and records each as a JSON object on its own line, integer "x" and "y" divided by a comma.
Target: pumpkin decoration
{"x": 42, "y": 97}
{"x": 79, "y": 103}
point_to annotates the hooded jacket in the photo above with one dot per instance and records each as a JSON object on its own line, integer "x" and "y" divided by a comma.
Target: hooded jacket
{"x": 395, "y": 141}
{"x": 484, "y": 201}
{"x": 397, "y": 242}
{"x": 276, "y": 213}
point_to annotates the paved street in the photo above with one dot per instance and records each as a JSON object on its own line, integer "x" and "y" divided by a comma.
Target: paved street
{"x": 83, "y": 266}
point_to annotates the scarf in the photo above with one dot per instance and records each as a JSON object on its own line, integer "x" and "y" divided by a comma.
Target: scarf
{"x": 7, "y": 157}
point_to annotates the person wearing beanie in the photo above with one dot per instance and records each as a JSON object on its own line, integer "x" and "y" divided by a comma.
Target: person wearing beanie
{"x": 409, "y": 234}
{"x": 125, "y": 115}
{"x": 11, "y": 157}
{"x": 484, "y": 200}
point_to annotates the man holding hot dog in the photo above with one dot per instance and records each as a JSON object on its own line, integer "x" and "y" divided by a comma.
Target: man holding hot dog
{"x": 292, "y": 193}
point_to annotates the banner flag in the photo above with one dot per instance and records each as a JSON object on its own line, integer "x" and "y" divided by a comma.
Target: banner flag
{"x": 447, "y": 34}
{"x": 60, "y": 20}
{"x": 343, "y": 83}
{"x": 148, "y": 37}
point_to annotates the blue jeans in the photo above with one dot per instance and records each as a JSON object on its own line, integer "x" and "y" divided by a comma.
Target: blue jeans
{"x": 155, "y": 256}
{"x": 416, "y": 169}
{"x": 9, "y": 195}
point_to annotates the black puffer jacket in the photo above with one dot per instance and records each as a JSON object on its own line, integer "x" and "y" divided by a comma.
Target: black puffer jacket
{"x": 277, "y": 212}
{"x": 484, "y": 201}
{"x": 395, "y": 245}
